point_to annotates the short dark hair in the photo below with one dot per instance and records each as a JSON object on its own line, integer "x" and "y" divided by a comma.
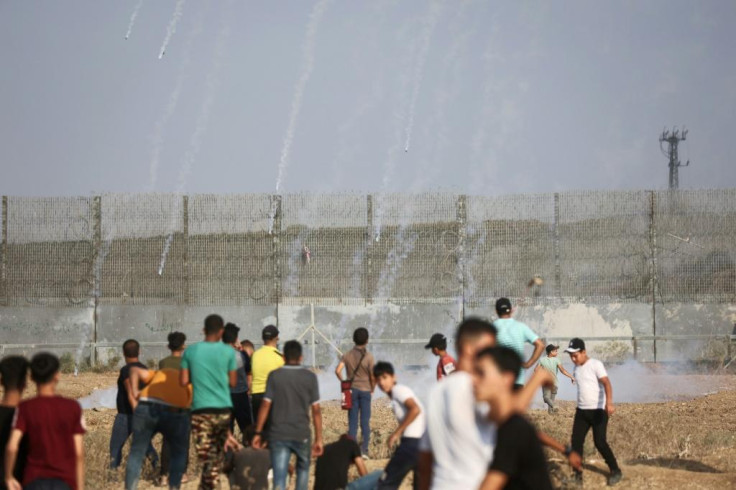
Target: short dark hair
{"x": 472, "y": 328}
{"x": 292, "y": 350}
{"x": 360, "y": 336}
{"x": 44, "y": 367}
{"x": 213, "y": 324}
{"x": 507, "y": 360}
{"x": 176, "y": 341}
{"x": 131, "y": 348}
{"x": 230, "y": 335}
{"x": 248, "y": 343}
{"x": 383, "y": 367}
{"x": 13, "y": 372}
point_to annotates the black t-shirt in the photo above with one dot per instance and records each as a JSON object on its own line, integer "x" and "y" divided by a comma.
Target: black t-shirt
{"x": 250, "y": 469}
{"x": 122, "y": 399}
{"x": 331, "y": 472}
{"x": 519, "y": 456}
{"x": 6, "y": 427}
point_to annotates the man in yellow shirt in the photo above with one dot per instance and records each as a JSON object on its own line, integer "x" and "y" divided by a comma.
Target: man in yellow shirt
{"x": 266, "y": 359}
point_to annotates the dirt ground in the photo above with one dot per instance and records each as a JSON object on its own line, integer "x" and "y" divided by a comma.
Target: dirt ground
{"x": 674, "y": 444}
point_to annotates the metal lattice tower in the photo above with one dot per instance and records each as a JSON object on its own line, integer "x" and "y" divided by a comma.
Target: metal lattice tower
{"x": 673, "y": 138}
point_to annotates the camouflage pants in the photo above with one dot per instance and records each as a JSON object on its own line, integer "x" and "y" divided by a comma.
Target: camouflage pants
{"x": 210, "y": 434}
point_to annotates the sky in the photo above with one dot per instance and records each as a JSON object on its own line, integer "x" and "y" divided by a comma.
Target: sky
{"x": 383, "y": 96}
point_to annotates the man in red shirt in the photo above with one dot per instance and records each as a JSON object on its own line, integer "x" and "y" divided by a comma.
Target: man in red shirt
{"x": 55, "y": 431}
{"x": 438, "y": 344}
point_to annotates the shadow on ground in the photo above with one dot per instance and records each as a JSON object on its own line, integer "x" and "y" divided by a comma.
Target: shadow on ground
{"x": 675, "y": 464}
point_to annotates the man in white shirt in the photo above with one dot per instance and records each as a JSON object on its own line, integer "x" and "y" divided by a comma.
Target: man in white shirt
{"x": 595, "y": 405}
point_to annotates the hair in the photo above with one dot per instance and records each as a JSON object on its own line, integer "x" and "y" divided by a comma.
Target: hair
{"x": 472, "y": 328}
{"x": 213, "y": 324}
{"x": 360, "y": 336}
{"x": 44, "y": 367}
{"x": 131, "y": 348}
{"x": 176, "y": 341}
{"x": 507, "y": 360}
{"x": 13, "y": 372}
{"x": 292, "y": 350}
{"x": 442, "y": 344}
{"x": 247, "y": 343}
{"x": 231, "y": 333}
{"x": 383, "y": 367}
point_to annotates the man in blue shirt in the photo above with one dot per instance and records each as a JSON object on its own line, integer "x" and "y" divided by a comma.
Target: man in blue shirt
{"x": 514, "y": 334}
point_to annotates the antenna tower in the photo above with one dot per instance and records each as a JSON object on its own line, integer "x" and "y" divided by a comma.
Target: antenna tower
{"x": 673, "y": 138}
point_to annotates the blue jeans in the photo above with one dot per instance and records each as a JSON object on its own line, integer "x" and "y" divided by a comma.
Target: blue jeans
{"x": 122, "y": 427}
{"x": 361, "y": 408}
{"x": 403, "y": 461}
{"x": 281, "y": 452}
{"x": 367, "y": 482}
{"x": 174, "y": 425}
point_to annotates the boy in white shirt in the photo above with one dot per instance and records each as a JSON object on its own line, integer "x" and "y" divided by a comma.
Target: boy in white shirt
{"x": 595, "y": 405}
{"x": 412, "y": 424}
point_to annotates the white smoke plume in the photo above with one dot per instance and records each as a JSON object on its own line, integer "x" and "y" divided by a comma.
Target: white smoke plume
{"x": 171, "y": 28}
{"x": 132, "y": 19}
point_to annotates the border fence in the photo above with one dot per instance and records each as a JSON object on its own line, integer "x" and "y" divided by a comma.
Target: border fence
{"x": 590, "y": 247}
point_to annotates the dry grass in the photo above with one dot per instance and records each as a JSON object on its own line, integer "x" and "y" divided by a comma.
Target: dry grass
{"x": 676, "y": 444}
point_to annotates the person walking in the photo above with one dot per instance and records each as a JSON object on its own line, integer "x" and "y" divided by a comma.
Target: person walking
{"x": 552, "y": 364}
{"x": 358, "y": 365}
{"x": 514, "y": 334}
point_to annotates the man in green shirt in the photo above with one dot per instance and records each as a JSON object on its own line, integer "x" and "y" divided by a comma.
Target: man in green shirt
{"x": 552, "y": 364}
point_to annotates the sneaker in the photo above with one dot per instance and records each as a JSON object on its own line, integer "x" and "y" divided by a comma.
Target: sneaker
{"x": 365, "y": 456}
{"x": 614, "y": 478}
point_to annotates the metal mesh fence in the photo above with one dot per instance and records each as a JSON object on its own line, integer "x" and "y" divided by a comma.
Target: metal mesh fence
{"x": 261, "y": 249}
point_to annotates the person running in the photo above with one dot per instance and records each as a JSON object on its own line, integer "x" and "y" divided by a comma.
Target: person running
{"x": 595, "y": 406}
{"x": 331, "y": 470}
{"x": 552, "y": 364}
{"x": 13, "y": 374}
{"x": 55, "y": 430}
{"x": 239, "y": 394}
{"x": 518, "y": 458}
{"x": 358, "y": 365}
{"x": 210, "y": 366}
{"x": 177, "y": 344}
{"x": 122, "y": 426}
{"x": 292, "y": 392}
{"x": 514, "y": 334}
{"x": 163, "y": 407}
{"x": 412, "y": 421}
{"x": 446, "y": 364}
{"x": 264, "y": 360}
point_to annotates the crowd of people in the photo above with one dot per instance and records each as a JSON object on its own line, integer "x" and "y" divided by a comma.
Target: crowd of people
{"x": 468, "y": 432}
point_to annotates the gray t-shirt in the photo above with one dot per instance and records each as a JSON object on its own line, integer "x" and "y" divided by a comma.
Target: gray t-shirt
{"x": 292, "y": 390}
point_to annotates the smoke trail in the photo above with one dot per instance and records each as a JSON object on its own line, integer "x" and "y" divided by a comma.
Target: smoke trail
{"x": 171, "y": 28}
{"x": 132, "y": 18}
{"x": 296, "y": 103}
{"x": 429, "y": 24}
{"x": 212, "y": 82}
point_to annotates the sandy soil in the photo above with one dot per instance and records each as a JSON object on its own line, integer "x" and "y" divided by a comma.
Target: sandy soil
{"x": 673, "y": 444}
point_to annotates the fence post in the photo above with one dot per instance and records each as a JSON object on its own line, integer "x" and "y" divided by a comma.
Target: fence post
{"x": 276, "y": 248}
{"x": 96, "y": 271}
{"x": 462, "y": 221}
{"x": 4, "y": 255}
{"x": 368, "y": 257}
{"x": 185, "y": 237}
{"x": 558, "y": 270}
{"x": 635, "y": 345}
{"x": 653, "y": 266}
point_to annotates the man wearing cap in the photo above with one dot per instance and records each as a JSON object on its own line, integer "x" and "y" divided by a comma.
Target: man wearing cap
{"x": 595, "y": 405}
{"x": 266, "y": 359}
{"x": 514, "y": 334}
{"x": 552, "y": 364}
{"x": 446, "y": 364}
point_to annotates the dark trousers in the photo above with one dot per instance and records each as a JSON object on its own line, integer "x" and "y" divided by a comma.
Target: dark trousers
{"x": 598, "y": 420}
{"x": 166, "y": 458}
{"x": 122, "y": 428}
{"x": 241, "y": 412}
{"x": 256, "y": 401}
{"x": 47, "y": 484}
{"x": 360, "y": 411}
{"x": 403, "y": 461}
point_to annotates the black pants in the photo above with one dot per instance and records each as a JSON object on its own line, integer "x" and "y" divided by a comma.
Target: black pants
{"x": 403, "y": 461}
{"x": 241, "y": 413}
{"x": 256, "y": 400}
{"x": 598, "y": 420}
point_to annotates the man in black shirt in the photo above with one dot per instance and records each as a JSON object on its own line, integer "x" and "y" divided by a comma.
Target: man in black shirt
{"x": 518, "y": 459}
{"x": 13, "y": 373}
{"x": 122, "y": 427}
{"x": 331, "y": 472}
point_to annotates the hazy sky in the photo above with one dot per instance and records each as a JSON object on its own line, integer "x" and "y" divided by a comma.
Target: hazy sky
{"x": 505, "y": 97}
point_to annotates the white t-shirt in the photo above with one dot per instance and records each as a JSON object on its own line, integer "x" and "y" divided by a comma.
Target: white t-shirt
{"x": 591, "y": 394}
{"x": 459, "y": 434}
{"x": 399, "y": 395}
